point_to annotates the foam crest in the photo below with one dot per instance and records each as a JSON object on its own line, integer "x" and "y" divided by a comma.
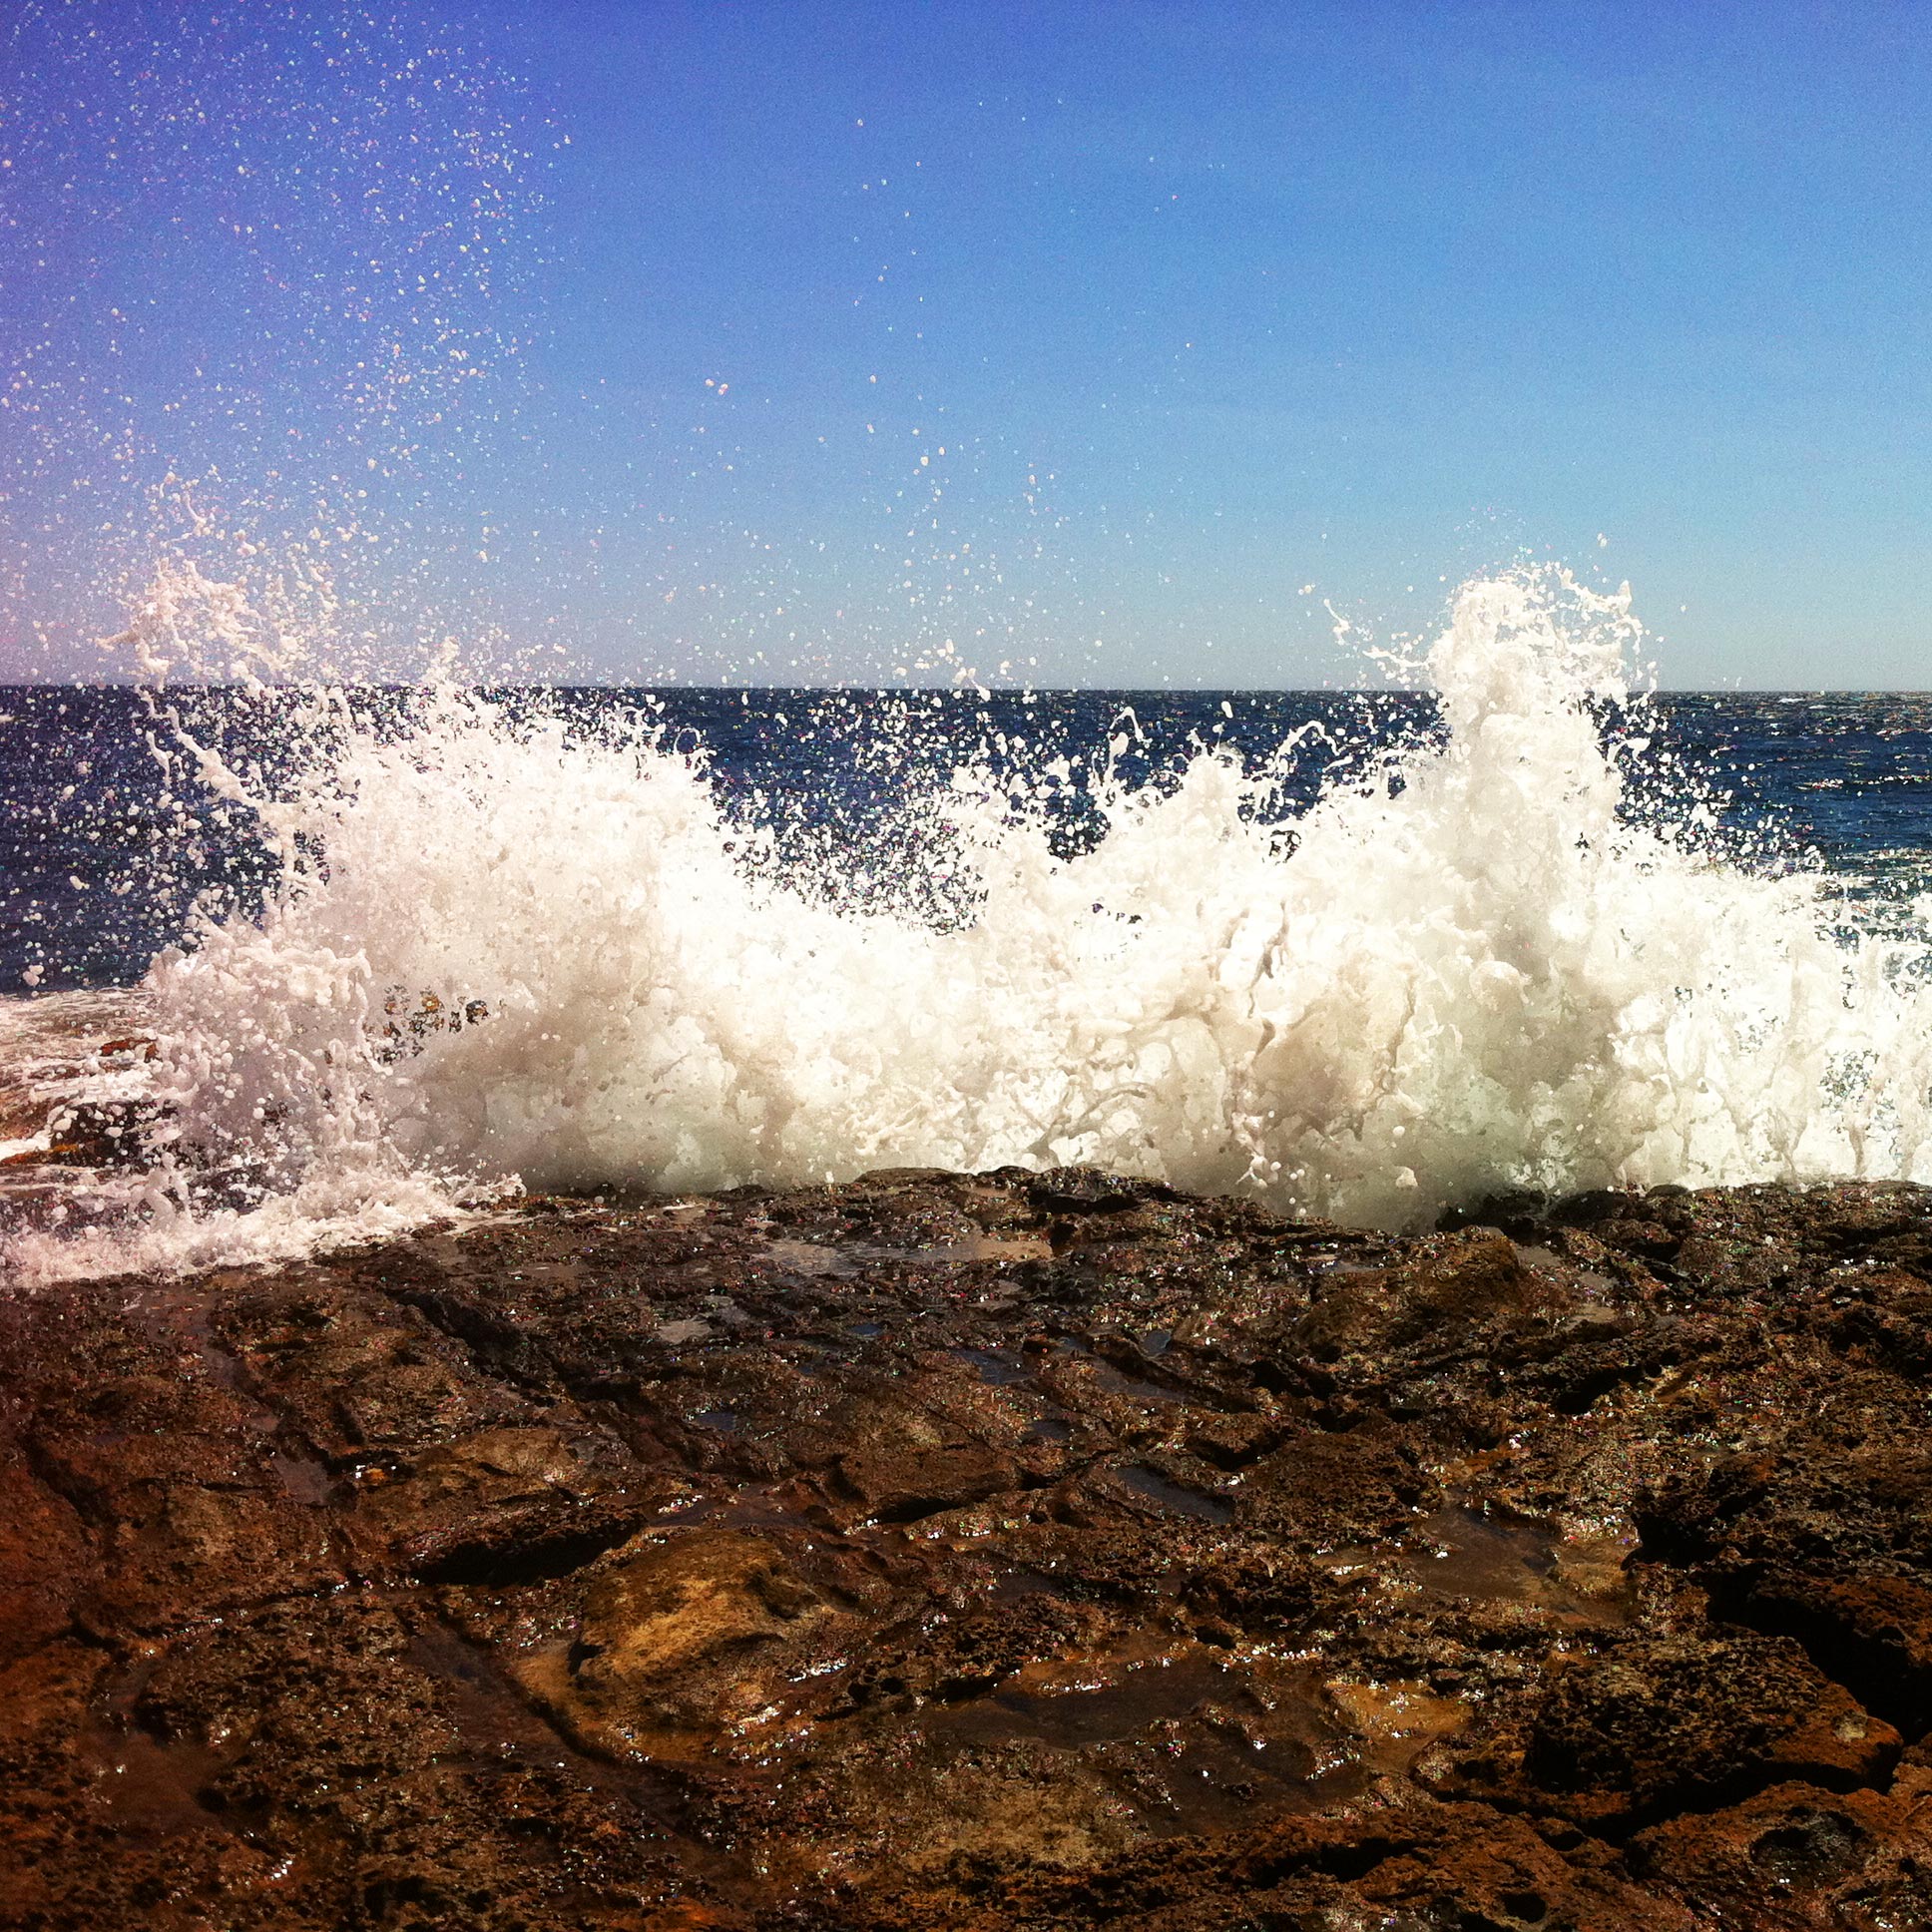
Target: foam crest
{"x": 505, "y": 951}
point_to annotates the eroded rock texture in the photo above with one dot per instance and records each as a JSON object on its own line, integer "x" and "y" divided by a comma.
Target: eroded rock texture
{"x": 973, "y": 1551}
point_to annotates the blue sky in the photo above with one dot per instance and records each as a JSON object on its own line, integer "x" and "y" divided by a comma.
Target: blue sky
{"x": 1107, "y": 344}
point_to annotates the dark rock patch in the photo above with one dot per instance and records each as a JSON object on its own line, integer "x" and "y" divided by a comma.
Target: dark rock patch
{"x": 984, "y": 1551}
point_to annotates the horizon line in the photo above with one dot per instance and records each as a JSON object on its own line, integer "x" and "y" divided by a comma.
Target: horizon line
{"x": 971, "y": 690}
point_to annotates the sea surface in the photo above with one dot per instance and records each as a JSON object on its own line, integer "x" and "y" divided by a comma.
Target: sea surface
{"x": 95, "y": 877}
{"x": 334, "y": 961}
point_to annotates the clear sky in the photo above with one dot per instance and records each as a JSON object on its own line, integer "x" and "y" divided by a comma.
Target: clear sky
{"x": 1109, "y": 343}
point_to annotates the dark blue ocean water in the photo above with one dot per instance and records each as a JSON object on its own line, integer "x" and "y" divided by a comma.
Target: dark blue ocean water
{"x": 103, "y": 853}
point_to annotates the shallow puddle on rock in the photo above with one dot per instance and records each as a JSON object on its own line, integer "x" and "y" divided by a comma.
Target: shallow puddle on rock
{"x": 848, "y": 1260}
{"x": 1397, "y": 1720}
{"x": 1547, "y": 1261}
{"x": 1486, "y": 1556}
{"x": 1340, "y": 1271}
{"x": 150, "y": 1783}
{"x": 1114, "y": 1380}
{"x": 1079, "y": 1703}
{"x": 150, "y": 1786}
{"x": 683, "y": 1334}
{"x": 1468, "y": 1553}
{"x": 1194, "y": 1740}
{"x": 992, "y": 1367}
{"x": 811, "y": 1258}
{"x": 1171, "y": 1496}
{"x": 1022, "y": 1581}
{"x": 1593, "y": 1567}
{"x": 984, "y": 1247}
{"x": 305, "y": 1479}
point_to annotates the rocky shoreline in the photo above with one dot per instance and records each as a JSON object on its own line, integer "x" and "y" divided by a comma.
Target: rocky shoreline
{"x": 984, "y": 1551}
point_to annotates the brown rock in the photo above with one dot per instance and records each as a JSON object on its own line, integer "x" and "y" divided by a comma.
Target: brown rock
{"x": 1678, "y": 1722}
{"x": 990, "y": 1551}
{"x": 46, "y": 1562}
{"x": 1799, "y": 1857}
{"x": 675, "y": 1645}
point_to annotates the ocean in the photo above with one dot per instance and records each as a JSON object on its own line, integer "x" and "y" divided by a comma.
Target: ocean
{"x": 371, "y": 956}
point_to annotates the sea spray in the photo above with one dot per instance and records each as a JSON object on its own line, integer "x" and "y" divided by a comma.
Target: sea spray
{"x": 505, "y": 950}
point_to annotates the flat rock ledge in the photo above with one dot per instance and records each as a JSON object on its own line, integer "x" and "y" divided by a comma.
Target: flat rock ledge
{"x": 1007, "y": 1550}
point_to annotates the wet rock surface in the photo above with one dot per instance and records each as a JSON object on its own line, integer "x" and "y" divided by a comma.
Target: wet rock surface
{"x": 984, "y": 1551}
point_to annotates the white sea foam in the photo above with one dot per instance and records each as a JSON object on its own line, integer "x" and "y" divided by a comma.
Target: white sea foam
{"x": 532, "y": 955}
